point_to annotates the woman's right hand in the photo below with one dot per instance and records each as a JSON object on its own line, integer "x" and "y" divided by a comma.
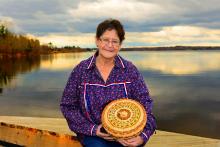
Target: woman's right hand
{"x": 103, "y": 135}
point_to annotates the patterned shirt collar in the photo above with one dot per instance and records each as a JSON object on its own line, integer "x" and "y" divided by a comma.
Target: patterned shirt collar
{"x": 118, "y": 61}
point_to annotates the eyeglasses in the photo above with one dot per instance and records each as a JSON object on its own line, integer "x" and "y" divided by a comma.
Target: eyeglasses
{"x": 106, "y": 41}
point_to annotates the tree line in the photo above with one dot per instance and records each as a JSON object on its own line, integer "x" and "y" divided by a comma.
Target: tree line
{"x": 11, "y": 43}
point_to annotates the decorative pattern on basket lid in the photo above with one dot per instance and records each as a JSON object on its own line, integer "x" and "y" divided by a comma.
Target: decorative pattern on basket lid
{"x": 124, "y": 118}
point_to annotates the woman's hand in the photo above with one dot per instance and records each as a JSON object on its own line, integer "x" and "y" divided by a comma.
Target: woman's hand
{"x": 135, "y": 141}
{"x": 103, "y": 135}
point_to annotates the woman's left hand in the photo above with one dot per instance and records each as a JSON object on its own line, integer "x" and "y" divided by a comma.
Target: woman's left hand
{"x": 105, "y": 136}
{"x": 135, "y": 141}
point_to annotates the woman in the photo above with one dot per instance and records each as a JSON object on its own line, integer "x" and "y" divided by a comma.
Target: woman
{"x": 94, "y": 82}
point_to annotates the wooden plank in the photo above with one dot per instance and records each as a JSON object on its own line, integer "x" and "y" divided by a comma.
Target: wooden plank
{"x": 26, "y": 136}
{"x": 54, "y": 132}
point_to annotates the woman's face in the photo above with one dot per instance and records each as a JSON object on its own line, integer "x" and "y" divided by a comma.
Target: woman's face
{"x": 108, "y": 44}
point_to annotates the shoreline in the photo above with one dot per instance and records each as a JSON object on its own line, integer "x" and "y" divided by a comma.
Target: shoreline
{"x": 74, "y": 50}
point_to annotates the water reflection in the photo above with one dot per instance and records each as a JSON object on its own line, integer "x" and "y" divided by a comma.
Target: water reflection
{"x": 10, "y": 67}
{"x": 187, "y": 103}
{"x": 176, "y": 62}
{"x": 184, "y": 85}
{"x": 63, "y": 61}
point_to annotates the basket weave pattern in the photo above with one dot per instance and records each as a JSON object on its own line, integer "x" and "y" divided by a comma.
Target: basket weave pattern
{"x": 124, "y": 118}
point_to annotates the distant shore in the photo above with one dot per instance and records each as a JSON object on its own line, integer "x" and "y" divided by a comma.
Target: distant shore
{"x": 76, "y": 50}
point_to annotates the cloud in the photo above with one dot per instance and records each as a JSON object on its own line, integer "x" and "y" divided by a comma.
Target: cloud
{"x": 176, "y": 35}
{"x": 82, "y": 40}
{"x": 167, "y": 36}
{"x": 122, "y": 9}
{"x": 139, "y": 16}
{"x": 157, "y": 22}
{"x": 38, "y": 17}
{"x": 9, "y": 23}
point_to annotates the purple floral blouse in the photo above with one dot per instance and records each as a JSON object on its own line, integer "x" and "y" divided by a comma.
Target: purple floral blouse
{"x": 86, "y": 94}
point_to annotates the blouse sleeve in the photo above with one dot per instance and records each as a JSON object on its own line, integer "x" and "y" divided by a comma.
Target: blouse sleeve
{"x": 70, "y": 106}
{"x": 141, "y": 93}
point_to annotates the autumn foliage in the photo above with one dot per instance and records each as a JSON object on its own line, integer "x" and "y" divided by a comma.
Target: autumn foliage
{"x": 11, "y": 43}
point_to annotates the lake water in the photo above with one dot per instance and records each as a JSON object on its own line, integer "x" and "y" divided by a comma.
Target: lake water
{"x": 185, "y": 87}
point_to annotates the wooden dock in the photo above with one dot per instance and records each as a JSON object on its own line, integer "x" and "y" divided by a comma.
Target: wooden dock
{"x": 54, "y": 132}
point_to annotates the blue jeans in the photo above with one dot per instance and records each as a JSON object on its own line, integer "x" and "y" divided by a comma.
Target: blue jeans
{"x": 93, "y": 141}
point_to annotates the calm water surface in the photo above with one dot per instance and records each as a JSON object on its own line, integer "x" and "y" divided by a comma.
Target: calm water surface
{"x": 185, "y": 87}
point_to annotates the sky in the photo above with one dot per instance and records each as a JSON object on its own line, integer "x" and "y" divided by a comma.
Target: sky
{"x": 146, "y": 22}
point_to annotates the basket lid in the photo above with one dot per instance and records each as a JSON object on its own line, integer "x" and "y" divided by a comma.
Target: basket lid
{"x": 124, "y": 118}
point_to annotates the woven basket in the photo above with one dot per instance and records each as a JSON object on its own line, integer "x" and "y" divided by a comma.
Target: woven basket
{"x": 124, "y": 118}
